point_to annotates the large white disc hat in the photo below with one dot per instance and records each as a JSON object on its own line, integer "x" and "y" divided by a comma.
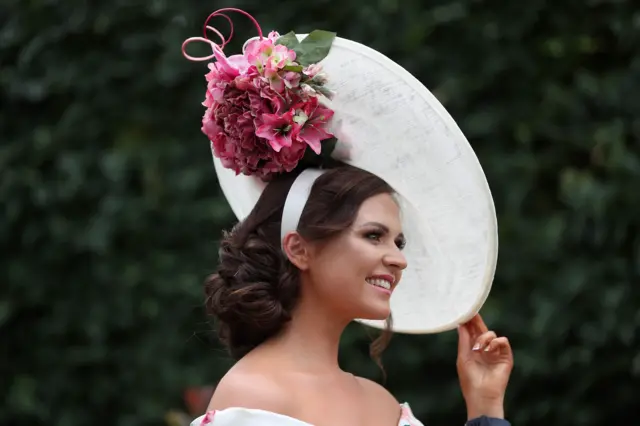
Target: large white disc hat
{"x": 388, "y": 123}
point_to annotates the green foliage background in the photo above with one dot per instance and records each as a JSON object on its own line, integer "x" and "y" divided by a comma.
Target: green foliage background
{"x": 111, "y": 213}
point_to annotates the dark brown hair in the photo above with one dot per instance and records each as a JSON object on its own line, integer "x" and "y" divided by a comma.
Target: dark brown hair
{"x": 255, "y": 287}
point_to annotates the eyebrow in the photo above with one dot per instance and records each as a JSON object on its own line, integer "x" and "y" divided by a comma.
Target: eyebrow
{"x": 385, "y": 228}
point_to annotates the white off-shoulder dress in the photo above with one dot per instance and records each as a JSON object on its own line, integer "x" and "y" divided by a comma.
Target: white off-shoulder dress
{"x": 237, "y": 416}
{"x": 253, "y": 417}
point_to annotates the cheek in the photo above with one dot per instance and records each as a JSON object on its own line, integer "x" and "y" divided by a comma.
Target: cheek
{"x": 337, "y": 271}
{"x": 346, "y": 262}
{"x": 352, "y": 262}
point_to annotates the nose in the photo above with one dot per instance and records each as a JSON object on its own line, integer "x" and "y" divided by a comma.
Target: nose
{"x": 395, "y": 259}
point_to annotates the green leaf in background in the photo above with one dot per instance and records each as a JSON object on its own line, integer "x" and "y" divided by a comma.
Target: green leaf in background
{"x": 294, "y": 68}
{"x": 315, "y": 47}
{"x": 289, "y": 40}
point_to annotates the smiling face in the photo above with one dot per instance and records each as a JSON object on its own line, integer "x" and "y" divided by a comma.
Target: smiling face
{"x": 355, "y": 273}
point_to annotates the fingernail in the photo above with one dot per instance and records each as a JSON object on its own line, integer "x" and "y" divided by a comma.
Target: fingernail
{"x": 476, "y": 347}
{"x": 487, "y": 349}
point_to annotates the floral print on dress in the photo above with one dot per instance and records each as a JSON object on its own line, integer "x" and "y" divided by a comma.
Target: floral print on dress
{"x": 208, "y": 418}
{"x": 407, "y": 418}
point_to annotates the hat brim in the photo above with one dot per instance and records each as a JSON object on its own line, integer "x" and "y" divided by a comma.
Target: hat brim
{"x": 395, "y": 128}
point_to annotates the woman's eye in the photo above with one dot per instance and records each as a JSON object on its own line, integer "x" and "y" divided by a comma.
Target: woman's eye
{"x": 374, "y": 236}
{"x": 377, "y": 236}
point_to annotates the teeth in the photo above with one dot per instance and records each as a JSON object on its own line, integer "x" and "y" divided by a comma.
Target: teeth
{"x": 379, "y": 283}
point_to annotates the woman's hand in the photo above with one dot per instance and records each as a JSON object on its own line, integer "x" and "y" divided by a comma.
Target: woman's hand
{"x": 484, "y": 365}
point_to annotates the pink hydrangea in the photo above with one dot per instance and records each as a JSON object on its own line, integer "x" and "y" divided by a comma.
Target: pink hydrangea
{"x": 261, "y": 116}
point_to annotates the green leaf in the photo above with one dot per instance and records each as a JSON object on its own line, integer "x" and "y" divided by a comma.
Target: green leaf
{"x": 328, "y": 146}
{"x": 322, "y": 90}
{"x": 289, "y": 40}
{"x": 312, "y": 159}
{"x": 315, "y": 47}
{"x": 294, "y": 68}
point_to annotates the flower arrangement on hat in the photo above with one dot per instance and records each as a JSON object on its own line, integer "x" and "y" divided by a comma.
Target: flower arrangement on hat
{"x": 263, "y": 106}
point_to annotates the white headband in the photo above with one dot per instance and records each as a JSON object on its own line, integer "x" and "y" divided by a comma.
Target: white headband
{"x": 296, "y": 200}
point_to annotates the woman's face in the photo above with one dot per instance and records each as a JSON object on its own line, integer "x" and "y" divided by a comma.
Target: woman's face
{"x": 355, "y": 273}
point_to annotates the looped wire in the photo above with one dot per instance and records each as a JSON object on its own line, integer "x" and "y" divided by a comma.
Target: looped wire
{"x": 224, "y": 41}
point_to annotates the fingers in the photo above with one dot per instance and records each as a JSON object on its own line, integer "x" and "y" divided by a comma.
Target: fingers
{"x": 464, "y": 339}
{"x": 478, "y": 324}
{"x": 468, "y": 334}
{"x": 500, "y": 344}
{"x": 482, "y": 342}
{"x": 475, "y": 333}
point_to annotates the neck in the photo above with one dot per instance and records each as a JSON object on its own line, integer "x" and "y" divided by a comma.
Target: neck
{"x": 311, "y": 339}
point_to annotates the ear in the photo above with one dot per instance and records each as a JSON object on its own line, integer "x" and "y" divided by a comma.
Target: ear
{"x": 297, "y": 250}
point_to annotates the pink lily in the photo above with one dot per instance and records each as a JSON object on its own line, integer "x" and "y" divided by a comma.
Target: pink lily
{"x": 277, "y": 130}
{"x": 311, "y": 117}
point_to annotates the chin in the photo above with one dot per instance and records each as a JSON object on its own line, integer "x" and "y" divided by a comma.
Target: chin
{"x": 375, "y": 312}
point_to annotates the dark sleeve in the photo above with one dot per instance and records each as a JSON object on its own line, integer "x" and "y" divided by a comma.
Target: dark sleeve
{"x": 487, "y": 421}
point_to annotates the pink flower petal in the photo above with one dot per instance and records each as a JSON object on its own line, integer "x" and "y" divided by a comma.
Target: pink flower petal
{"x": 224, "y": 64}
{"x": 313, "y": 136}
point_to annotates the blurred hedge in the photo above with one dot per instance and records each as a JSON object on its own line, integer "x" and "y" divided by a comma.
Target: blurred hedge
{"x": 111, "y": 212}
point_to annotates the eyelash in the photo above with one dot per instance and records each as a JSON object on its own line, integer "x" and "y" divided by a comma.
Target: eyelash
{"x": 378, "y": 234}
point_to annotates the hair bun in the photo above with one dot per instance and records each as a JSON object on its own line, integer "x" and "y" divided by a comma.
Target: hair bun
{"x": 252, "y": 293}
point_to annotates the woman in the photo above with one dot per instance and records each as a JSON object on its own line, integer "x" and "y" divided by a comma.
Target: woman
{"x": 318, "y": 248}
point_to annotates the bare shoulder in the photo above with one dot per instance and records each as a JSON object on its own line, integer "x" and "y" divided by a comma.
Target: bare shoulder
{"x": 378, "y": 394}
{"x": 251, "y": 389}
